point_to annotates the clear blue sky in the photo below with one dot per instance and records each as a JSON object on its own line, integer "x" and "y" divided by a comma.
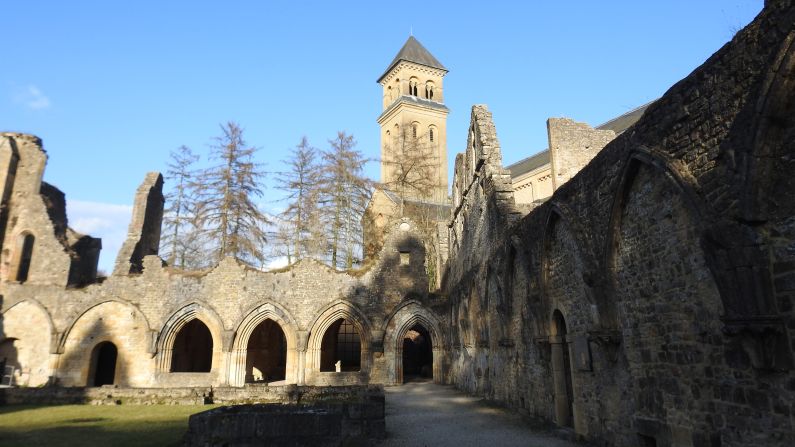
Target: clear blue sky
{"x": 112, "y": 87}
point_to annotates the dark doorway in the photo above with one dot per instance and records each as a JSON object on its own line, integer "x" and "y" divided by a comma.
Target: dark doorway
{"x": 193, "y": 348}
{"x": 266, "y": 354}
{"x": 103, "y": 362}
{"x": 342, "y": 343}
{"x": 8, "y": 360}
{"x": 561, "y": 369}
{"x": 417, "y": 354}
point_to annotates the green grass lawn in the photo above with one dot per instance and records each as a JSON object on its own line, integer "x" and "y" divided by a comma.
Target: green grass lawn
{"x": 89, "y": 425}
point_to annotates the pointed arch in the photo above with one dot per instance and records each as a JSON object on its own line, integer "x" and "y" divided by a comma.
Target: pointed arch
{"x": 405, "y": 316}
{"x": 339, "y": 309}
{"x": 248, "y": 324}
{"x": 178, "y": 319}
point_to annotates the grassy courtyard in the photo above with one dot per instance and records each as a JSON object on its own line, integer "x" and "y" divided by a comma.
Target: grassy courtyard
{"x": 88, "y": 425}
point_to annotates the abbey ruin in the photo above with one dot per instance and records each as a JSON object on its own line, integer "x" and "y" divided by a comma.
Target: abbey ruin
{"x": 648, "y": 300}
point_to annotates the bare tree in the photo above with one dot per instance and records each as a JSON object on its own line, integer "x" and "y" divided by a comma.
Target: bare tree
{"x": 228, "y": 215}
{"x": 179, "y": 232}
{"x": 300, "y": 182}
{"x": 414, "y": 167}
{"x": 343, "y": 195}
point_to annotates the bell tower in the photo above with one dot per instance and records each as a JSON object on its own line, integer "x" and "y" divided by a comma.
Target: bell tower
{"x": 414, "y": 125}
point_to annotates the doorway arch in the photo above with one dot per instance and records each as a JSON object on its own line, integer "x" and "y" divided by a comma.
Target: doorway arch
{"x": 103, "y": 364}
{"x": 417, "y": 354}
{"x": 406, "y": 317}
{"x": 193, "y": 348}
{"x": 561, "y": 371}
{"x": 266, "y": 353}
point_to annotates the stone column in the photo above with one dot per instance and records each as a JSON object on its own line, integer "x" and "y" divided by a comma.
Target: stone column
{"x": 303, "y": 339}
{"x": 562, "y": 413}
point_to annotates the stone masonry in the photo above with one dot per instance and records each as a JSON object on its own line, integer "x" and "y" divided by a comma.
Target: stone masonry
{"x": 648, "y": 302}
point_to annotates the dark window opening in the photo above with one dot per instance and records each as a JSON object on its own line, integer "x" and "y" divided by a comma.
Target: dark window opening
{"x": 417, "y": 354}
{"x": 341, "y": 343}
{"x": 103, "y": 364}
{"x": 25, "y": 257}
{"x": 430, "y": 134}
{"x": 266, "y": 354}
{"x": 414, "y": 131}
{"x": 193, "y": 348}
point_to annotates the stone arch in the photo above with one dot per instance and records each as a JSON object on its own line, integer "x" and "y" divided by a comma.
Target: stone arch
{"x": 26, "y": 333}
{"x": 177, "y": 320}
{"x": 773, "y": 111}
{"x": 563, "y": 239}
{"x": 112, "y": 321}
{"x": 339, "y": 309}
{"x": 405, "y": 316}
{"x": 89, "y": 307}
{"x": 660, "y": 278}
{"x": 252, "y": 319}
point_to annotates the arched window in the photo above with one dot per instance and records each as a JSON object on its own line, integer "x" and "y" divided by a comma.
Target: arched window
{"x": 26, "y": 247}
{"x": 429, "y": 90}
{"x": 341, "y": 343}
{"x": 413, "y": 86}
{"x": 430, "y": 134}
{"x": 193, "y": 348}
{"x": 414, "y": 130}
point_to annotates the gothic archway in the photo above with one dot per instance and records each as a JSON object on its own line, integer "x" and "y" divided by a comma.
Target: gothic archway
{"x": 193, "y": 348}
{"x": 417, "y": 354}
{"x": 266, "y": 353}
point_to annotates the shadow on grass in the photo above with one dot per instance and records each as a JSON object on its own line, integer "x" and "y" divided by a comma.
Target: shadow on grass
{"x": 87, "y": 425}
{"x": 92, "y": 435}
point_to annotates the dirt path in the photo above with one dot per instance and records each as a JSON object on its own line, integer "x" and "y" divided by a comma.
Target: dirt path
{"x": 424, "y": 414}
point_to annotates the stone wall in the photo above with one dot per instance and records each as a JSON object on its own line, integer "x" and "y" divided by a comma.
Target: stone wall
{"x": 649, "y": 301}
{"x": 571, "y": 146}
{"x": 53, "y": 334}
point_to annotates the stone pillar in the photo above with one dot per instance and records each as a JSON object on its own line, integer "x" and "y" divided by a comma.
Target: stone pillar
{"x": 303, "y": 339}
{"x": 562, "y": 410}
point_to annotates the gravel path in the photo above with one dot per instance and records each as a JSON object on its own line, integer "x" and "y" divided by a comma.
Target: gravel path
{"x": 425, "y": 414}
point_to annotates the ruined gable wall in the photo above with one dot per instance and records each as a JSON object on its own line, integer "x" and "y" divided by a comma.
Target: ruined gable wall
{"x": 28, "y": 214}
{"x": 571, "y": 146}
{"x": 665, "y": 256}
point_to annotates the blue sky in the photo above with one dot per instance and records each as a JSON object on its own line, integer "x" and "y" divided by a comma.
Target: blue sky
{"x": 112, "y": 87}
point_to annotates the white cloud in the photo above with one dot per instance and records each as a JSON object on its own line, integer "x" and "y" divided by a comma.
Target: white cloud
{"x": 33, "y": 98}
{"x": 104, "y": 220}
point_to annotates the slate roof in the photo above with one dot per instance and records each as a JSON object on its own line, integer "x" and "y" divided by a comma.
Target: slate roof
{"x": 618, "y": 124}
{"x": 413, "y": 51}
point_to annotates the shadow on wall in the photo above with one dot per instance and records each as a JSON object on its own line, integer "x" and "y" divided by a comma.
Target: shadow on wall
{"x": 9, "y": 363}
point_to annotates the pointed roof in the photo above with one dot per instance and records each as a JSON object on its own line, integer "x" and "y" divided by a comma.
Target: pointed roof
{"x": 413, "y": 51}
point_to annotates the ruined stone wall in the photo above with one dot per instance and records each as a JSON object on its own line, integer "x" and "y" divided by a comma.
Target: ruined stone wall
{"x": 571, "y": 146}
{"x": 57, "y": 331}
{"x": 650, "y": 299}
